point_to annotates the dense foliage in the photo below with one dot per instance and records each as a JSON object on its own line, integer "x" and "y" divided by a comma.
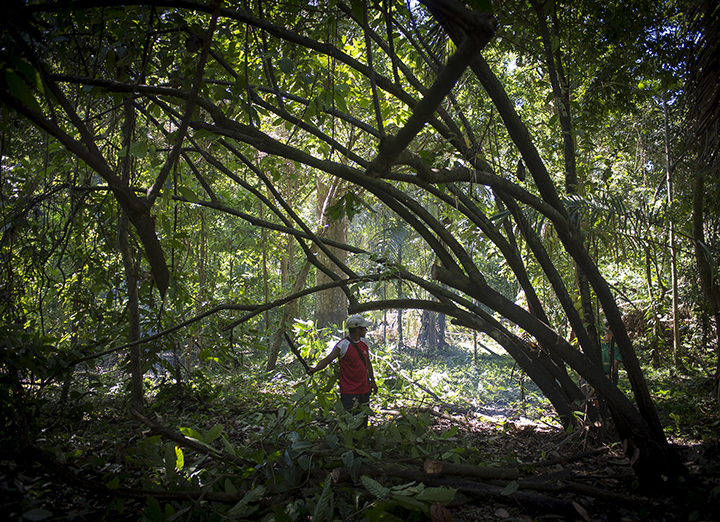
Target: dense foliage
{"x": 185, "y": 181}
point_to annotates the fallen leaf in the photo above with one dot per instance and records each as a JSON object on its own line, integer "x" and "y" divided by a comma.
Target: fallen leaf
{"x": 583, "y": 512}
{"x": 502, "y": 513}
{"x": 433, "y": 466}
{"x": 438, "y": 513}
{"x": 37, "y": 514}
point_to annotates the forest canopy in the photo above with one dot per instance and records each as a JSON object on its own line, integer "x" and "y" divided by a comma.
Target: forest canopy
{"x": 195, "y": 180}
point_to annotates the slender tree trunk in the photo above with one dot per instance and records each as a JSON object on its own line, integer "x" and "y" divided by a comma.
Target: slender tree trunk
{"x": 673, "y": 251}
{"x": 561, "y": 91}
{"x": 401, "y": 334}
{"x": 136, "y": 376}
{"x": 288, "y": 312}
{"x": 654, "y": 335}
{"x": 266, "y": 286}
{"x": 475, "y": 347}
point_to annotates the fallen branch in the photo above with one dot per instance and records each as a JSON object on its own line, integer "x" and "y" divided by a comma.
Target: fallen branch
{"x": 437, "y": 467}
{"x": 71, "y": 477}
{"x": 488, "y": 485}
{"x": 190, "y": 443}
{"x": 479, "y": 489}
{"x": 576, "y": 456}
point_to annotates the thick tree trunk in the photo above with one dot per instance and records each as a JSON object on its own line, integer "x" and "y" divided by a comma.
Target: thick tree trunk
{"x": 428, "y": 336}
{"x": 330, "y": 305}
{"x": 704, "y": 94}
{"x": 704, "y": 265}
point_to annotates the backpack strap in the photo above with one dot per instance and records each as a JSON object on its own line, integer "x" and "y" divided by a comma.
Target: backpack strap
{"x": 362, "y": 358}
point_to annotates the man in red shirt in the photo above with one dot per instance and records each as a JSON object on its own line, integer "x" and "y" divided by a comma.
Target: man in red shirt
{"x": 357, "y": 378}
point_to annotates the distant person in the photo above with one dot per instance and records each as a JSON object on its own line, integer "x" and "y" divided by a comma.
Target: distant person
{"x": 357, "y": 379}
{"x": 610, "y": 352}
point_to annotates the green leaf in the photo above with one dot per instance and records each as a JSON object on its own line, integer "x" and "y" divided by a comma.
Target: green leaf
{"x": 228, "y": 447}
{"x": 29, "y": 72}
{"x": 241, "y": 507}
{"x": 304, "y": 462}
{"x": 500, "y": 217}
{"x": 481, "y": 5}
{"x": 357, "y": 8}
{"x": 174, "y": 243}
{"x": 511, "y": 488}
{"x": 286, "y": 65}
{"x": 213, "y": 433}
{"x": 179, "y": 458}
{"x": 139, "y": 149}
{"x": 332, "y": 440}
{"x": 374, "y": 487}
{"x": 230, "y": 487}
{"x": 188, "y": 194}
{"x": 114, "y": 483}
{"x": 440, "y": 494}
{"x": 170, "y": 462}
{"x": 555, "y": 44}
{"x": 340, "y": 102}
{"x": 153, "y": 510}
{"x": 410, "y": 503}
{"x": 19, "y": 89}
{"x": 280, "y": 515}
{"x": 449, "y": 433}
{"x": 37, "y": 514}
{"x": 348, "y": 457}
{"x": 323, "y": 509}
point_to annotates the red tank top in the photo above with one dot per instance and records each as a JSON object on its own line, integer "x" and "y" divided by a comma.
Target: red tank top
{"x": 353, "y": 372}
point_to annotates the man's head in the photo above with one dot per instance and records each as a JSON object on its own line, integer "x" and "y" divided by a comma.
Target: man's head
{"x": 608, "y": 331}
{"x": 355, "y": 323}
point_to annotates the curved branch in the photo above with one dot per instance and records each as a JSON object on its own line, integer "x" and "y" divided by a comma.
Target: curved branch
{"x": 155, "y": 188}
{"x": 307, "y": 291}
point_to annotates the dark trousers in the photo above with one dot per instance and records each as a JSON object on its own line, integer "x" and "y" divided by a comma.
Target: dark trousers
{"x": 353, "y": 401}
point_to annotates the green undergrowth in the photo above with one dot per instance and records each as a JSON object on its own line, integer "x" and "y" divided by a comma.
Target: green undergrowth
{"x": 290, "y": 443}
{"x": 277, "y": 445}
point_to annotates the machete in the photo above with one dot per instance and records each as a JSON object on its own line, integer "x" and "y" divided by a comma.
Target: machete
{"x": 294, "y": 350}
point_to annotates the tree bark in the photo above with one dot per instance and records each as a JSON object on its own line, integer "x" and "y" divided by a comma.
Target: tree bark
{"x": 136, "y": 375}
{"x": 671, "y": 240}
{"x": 330, "y": 305}
{"x": 288, "y": 312}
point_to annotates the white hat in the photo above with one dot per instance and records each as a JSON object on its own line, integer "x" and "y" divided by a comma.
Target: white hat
{"x": 356, "y": 321}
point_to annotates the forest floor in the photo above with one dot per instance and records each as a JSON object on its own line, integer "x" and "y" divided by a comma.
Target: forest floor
{"x": 95, "y": 461}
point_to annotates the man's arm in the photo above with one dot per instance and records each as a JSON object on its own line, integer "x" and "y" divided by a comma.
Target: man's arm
{"x": 327, "y": 360}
